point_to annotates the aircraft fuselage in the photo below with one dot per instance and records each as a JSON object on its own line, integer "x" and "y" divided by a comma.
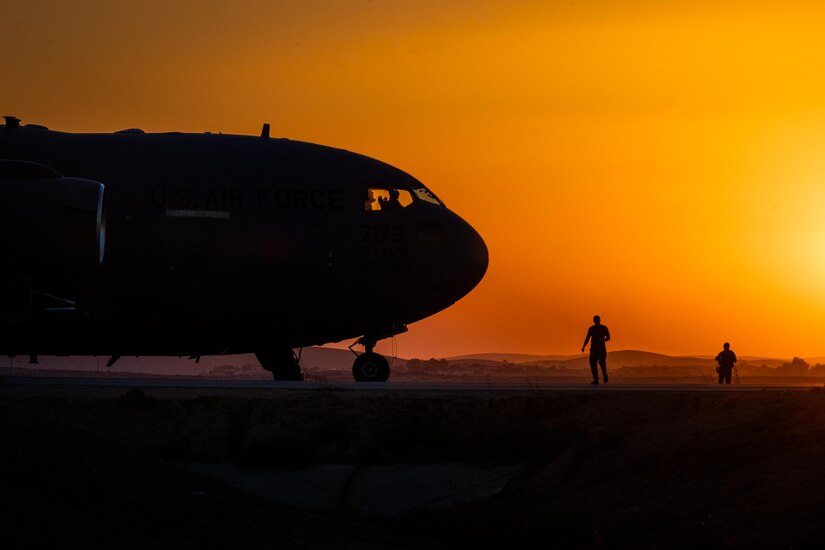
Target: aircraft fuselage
{"x": 214, "y": 244}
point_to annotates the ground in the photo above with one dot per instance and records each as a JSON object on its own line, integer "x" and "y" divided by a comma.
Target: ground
{"x": 109, "y": 467}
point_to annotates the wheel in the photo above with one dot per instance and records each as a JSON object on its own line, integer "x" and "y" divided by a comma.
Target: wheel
{"x": 371, "y": 367}
{"x": 281, "y": 363}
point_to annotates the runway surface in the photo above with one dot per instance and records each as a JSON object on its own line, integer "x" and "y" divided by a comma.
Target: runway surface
{"x": 267, "y": 385}
{"x": 198, "y": 461}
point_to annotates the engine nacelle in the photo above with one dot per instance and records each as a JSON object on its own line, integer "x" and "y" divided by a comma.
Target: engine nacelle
{"x": 52, "y": 228}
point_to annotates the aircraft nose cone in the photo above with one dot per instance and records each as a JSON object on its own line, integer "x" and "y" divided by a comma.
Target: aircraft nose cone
{"x": 470, "y": 257}
{"x": 453, "y": 260}
{"x": 475, "y": 257}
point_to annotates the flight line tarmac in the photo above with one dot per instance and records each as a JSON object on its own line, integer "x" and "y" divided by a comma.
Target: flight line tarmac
{"x": 437, "y": 387}
{"x": 410, "y": 464}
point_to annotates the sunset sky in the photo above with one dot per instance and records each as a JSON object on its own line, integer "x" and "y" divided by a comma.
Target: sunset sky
{"x": 662, "y": 165}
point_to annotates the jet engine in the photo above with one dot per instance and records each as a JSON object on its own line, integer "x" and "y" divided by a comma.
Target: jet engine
{"x": 52, "y": 228}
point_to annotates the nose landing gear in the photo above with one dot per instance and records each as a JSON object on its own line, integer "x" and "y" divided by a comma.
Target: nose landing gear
{"x": 282, "y": 363}
{"x": 371, "y": 366}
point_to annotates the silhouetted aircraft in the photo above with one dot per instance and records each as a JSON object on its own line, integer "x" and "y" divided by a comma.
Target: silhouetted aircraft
{"x": 204, "y": 244}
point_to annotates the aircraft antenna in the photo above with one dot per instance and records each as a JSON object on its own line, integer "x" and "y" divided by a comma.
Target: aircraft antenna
{"x": 265, "y": 131}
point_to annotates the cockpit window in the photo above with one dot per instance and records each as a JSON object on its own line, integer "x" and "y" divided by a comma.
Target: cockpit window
{"x": 426, "y": 195}
{"x": 387, "y": 198}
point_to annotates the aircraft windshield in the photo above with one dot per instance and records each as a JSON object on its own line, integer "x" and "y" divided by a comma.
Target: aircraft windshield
{"x": 387, "y": 198}
{"x": 426, "y": 195}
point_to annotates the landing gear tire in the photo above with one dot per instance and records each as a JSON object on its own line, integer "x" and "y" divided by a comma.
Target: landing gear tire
{"x": 281, "y": 363}
{"x": 371, "y": 367}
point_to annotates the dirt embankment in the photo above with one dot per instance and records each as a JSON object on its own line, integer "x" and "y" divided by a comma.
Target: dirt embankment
{"x": 642, "y": 469}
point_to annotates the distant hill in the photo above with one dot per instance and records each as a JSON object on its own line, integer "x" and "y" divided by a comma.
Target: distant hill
{"x": 509, "y": 357}
{"x": 139, "y": 365}
{"x": 619, "y": 358}
{"x": 624, "y": 358}
{"x": 314, "y": 358}
{"x": 332, "y": 359}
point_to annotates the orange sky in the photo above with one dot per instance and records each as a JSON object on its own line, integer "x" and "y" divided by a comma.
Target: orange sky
{"x": 660, "y": 166}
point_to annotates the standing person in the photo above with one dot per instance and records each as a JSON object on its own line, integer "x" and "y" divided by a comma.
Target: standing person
{"x": 597, "y": 335}
{"x": 726, "y": 358}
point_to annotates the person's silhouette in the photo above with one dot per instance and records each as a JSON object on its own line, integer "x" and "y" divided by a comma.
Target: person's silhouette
{"x": 597, "y": 335}
{"x": 393, "y": 201}
{"x": 726, "y": 358}
{"x": 368, "y": 204}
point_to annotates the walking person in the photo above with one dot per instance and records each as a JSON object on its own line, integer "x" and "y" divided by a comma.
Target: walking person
{"x": 597, "y": 335}
{"x": 726, "y": 358}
